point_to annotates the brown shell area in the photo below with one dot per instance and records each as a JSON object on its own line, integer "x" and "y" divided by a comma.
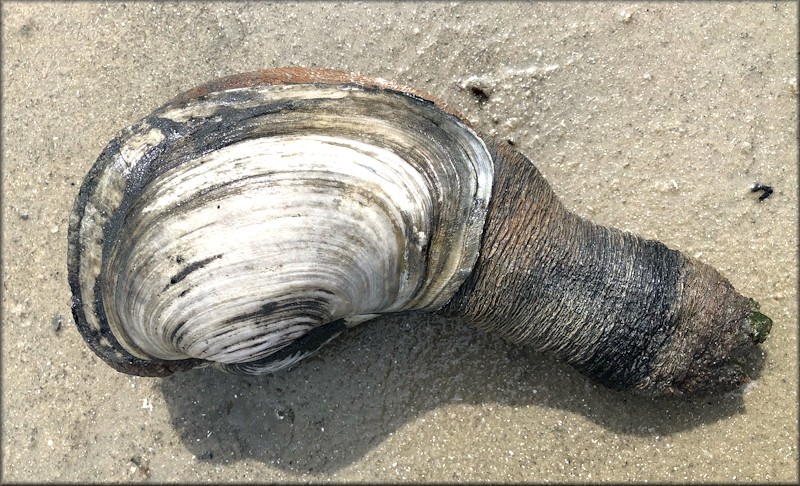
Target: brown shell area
{"x": 303, "y": 75}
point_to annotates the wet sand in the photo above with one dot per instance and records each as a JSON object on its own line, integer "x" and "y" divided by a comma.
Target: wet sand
{"x": 649, "y": 117}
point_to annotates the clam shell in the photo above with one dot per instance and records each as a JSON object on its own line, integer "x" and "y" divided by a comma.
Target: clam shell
{"x": 248, "y": 225}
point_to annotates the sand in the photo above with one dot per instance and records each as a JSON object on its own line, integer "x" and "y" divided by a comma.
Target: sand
{"x": 655, "y": 118}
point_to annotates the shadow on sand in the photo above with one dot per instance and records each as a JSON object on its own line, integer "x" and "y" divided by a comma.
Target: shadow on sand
{"x": 330, "y": 410}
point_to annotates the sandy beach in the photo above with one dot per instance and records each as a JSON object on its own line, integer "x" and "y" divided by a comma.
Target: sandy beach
{"x": 655, "y": 118}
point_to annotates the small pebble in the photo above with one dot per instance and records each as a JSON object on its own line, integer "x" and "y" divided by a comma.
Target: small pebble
{"x": 625, "y": 16}
{"x": 480, "y": 88}
{"x": 765, "y": 189}
{"x": 55, "y": 323}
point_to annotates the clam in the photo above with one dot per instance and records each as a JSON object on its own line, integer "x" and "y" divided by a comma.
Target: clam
{"x": 251, "y": 220}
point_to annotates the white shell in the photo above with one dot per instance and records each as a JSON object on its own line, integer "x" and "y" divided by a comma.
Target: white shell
{"x": 225, "y": 227}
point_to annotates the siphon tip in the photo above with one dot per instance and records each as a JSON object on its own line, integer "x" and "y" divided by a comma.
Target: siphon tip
{"x": 760, "y": 323}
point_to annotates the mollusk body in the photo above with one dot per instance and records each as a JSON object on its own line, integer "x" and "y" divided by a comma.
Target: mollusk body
{"x": 224, "y": 227}
{"x": 252, "y": 219}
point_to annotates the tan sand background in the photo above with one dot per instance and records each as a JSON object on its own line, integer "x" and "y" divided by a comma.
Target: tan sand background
{"x": 652, "y": 117}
